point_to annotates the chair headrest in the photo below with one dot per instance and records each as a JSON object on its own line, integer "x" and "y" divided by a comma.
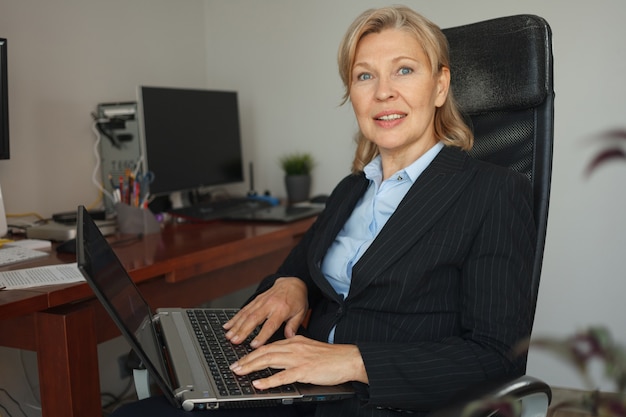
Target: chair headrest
{"x": 500, "y": 64}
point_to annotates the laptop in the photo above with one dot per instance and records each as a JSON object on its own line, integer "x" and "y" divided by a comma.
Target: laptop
{"x": 280, "y": 214}
{"x": 181, "y": 349}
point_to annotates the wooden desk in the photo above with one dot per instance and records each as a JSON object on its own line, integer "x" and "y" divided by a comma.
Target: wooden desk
{"x": 185, "y": 265}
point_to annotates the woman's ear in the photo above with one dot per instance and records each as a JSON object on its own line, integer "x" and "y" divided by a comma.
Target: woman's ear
{"x": 443, "y": 86}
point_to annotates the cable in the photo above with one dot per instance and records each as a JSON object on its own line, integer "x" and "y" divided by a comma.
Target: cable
{"x": 14, "y": 400}
{"x": 96, "y": 203}
{"x": 94, "y": 179}
{"x": 117, "y": 399}
{"x": 138, "y": 165}
{"x": 5, "y": 410}
{"x": 30, "y": 214}
{"x": 19, "y": 227}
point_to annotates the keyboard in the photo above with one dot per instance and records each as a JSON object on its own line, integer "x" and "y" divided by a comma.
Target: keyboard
{"x": 219, "y": 209}
{"x": 220, "y": 353}
{"x": 15, "y": 254}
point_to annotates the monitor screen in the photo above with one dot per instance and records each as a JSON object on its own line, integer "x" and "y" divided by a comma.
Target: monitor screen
{"x": 191, "y": 138}
{"x": 4, "y": 102}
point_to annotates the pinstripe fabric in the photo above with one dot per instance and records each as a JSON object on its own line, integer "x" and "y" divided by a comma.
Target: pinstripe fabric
{"x": 441, "y": 295}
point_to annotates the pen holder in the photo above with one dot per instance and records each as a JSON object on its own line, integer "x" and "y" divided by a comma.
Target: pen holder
{"x": 135, "y": 220}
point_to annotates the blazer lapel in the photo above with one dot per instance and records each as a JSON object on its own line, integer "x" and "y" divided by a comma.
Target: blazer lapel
{"x": 352, "y": 192}
{"x": 428, "y": 199}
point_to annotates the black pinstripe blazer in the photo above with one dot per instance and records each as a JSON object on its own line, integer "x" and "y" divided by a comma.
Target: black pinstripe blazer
{"x": 441, "y": 295}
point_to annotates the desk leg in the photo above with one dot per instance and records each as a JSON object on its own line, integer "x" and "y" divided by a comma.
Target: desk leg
{"x": 67, "y": 357}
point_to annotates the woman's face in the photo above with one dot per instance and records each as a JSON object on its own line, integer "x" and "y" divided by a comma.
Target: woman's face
{"x": 394, "y": 94}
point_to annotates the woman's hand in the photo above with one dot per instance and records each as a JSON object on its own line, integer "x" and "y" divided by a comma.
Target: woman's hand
{"x": 304, "y": 360}
{"x": 285, "y": 302}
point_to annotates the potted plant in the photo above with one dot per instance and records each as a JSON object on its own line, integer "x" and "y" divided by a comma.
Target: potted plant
{"x": 297, "y": 168}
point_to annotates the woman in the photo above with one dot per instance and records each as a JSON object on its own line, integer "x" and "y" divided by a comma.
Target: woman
{"x": 417, "y": 273}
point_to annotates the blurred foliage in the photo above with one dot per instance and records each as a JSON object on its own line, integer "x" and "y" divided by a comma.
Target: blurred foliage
{"x": 579, "y": 351}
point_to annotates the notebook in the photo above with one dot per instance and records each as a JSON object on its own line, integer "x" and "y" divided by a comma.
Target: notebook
{"x": 166, "y": 342}
{"x": 281, "y": 214}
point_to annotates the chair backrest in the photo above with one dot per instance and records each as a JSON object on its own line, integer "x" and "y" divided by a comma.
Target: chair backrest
{"x": 502, "y": 78}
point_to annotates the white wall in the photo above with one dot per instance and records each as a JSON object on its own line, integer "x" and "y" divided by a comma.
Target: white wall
{"x": 65, "y": 57}
{"x": 68, "y": 56}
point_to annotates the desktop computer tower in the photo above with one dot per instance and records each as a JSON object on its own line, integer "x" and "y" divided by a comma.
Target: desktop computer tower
{"x": 120, "y": 147}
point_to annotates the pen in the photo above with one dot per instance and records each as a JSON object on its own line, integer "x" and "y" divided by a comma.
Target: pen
{"x": 131, "y": 188}
{"x": 136, "y": 192}
{"x": 121, "y": 188}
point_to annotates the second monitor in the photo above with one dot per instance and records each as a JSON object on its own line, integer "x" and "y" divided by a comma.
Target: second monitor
{"x": 192, "y": 138}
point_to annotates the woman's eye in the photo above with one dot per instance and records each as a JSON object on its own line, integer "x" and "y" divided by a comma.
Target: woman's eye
{"x": 405, "y": 71}
{"x": 364, "y": 77}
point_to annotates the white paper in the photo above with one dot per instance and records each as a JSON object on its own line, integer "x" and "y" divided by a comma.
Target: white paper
{"x": 40, "y": 276}
{"x": 15, "y": 254}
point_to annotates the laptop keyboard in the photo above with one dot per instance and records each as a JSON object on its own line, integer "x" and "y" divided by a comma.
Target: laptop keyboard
{"x": 220, "y": 354}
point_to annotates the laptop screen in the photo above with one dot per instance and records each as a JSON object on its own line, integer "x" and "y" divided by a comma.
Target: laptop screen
{"x": 118, "y": 294}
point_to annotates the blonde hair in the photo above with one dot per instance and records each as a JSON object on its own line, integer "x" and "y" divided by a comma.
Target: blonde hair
{"x": 450, "y": 127}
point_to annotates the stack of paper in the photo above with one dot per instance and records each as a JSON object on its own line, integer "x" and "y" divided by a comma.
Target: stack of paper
{"x": 40, "y": 276}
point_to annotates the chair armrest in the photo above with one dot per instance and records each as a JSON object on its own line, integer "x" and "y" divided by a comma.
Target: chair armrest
{"x": 534, "y": 395}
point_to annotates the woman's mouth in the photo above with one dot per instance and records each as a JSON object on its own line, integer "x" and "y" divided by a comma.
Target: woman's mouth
{"x": 390, "y": 117}
{"x": 389, "y": 120}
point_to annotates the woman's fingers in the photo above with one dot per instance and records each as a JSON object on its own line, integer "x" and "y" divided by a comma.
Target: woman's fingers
{"x": 286, "y": 301}
{"x": 304, "y": 360}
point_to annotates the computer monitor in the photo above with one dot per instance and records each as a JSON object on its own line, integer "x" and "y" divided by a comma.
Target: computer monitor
{"x": 191, "y": 138}
{"x": 4, "y": 102}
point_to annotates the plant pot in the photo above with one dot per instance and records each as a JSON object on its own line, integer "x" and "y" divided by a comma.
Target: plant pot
{"x": 298, "y": 188}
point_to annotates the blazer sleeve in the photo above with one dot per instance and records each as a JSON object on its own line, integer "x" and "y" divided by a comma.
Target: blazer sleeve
{"x": 495, "y": 315}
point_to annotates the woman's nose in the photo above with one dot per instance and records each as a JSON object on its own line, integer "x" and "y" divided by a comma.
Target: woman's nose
{"x": 385, "y": 89}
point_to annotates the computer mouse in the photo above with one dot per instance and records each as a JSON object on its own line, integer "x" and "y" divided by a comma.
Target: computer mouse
{"x": 69, "y": 246}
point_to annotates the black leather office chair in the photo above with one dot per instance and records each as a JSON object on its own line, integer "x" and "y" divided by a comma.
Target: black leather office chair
{"x": 502, "y": 79}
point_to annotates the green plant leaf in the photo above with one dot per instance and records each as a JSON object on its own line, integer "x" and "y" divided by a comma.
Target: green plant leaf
{"x": 297, "y": 163}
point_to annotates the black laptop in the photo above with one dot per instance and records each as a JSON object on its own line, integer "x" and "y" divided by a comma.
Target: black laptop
{"x": 183, "y": 350}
